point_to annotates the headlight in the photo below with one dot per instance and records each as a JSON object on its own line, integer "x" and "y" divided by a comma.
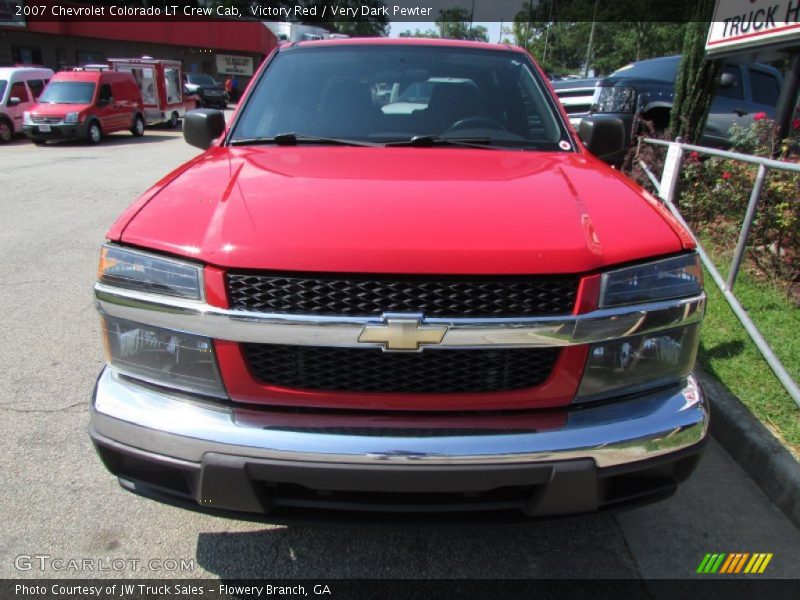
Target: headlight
{"x": 676, "y": 277}
{"x": 26, "y": 118}
{"x": 614, "y": 100}
{"x": 161, "y": 356}
{"x": 71, "y": 118}
{"x": 145, "y": 272}
{"x": 636, "y": 363}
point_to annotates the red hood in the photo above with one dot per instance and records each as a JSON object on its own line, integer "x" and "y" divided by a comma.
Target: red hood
{"x": 57, "y": 110}
{"x": 399, "y": 210}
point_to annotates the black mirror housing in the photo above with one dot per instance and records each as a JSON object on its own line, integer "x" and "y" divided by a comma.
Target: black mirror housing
{"x": 603, "y": 135}
{"x": 202, "y": 126}
{"x": 13, "y": 101}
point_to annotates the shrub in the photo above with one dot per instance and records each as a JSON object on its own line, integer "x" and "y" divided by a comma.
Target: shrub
{"x": 714, "y": 194}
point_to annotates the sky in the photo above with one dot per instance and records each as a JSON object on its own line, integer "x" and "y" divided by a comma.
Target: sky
{"x": 397, "y": 27}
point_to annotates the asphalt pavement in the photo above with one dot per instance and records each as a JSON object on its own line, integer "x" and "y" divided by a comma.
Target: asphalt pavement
{"x": 58, "y": 501}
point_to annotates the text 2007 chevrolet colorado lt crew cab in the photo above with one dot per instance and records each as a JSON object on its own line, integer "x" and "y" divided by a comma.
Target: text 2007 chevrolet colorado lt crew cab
{"x": 351, "y": 303}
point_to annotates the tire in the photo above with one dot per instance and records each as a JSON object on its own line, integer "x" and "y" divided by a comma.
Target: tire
{"x": 173, "y": 120}
{"x": 93, "y": 133}
{"x": 138, "y": 126}
{"x": 6, "y": 131}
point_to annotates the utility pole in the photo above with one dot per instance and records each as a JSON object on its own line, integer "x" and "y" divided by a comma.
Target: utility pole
{"x": 591, "y": 40}
{"x": 547, "y": 31}
{"x": 471, "y": 19}
{"x": 528, "y": 26}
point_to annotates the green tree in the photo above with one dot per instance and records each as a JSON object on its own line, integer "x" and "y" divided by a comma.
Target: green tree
{"x": 557, "y": 33}
{"x": 428, "y": 33}
{"x": 697, "y": 78}
{"x": 366, "y": 28}
{"x": 362, "y": 26}
{"x": 456, "y": 23}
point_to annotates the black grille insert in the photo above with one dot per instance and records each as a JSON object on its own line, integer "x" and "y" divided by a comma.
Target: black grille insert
{"x": 439, "y": 297}
{"x": 372, "y": 370}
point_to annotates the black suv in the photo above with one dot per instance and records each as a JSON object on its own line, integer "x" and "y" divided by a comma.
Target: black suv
{"x": 210, "y": 92}
{"x": 646, "y": 89}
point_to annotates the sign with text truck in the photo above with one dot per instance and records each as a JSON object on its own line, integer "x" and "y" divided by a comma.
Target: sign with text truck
{"x": 748, "y": 25}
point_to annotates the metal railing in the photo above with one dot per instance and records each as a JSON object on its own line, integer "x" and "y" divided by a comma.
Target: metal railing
{"x": 667, "y": 187}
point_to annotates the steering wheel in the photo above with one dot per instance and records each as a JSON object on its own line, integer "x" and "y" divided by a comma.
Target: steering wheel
{"x": 476, "y": 123}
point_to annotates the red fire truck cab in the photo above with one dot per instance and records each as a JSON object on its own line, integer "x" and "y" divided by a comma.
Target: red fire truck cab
{"x": 160, "y": 83}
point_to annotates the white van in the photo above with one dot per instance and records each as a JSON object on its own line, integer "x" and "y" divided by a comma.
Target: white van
{"x": 20, "y": 87}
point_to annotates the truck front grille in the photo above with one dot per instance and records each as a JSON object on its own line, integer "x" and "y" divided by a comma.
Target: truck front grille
{"x": 47, "y": 120}
{"x": 372, "y": 370}
{"x": 435, "y": 297}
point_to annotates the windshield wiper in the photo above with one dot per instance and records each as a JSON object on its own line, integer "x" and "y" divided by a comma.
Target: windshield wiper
{"x": 293, "y": 139}
{"x": 428, "y": 141}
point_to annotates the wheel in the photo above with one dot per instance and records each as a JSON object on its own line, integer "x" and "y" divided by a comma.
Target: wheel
{"x": 6, "y": 133}
{"x": 94, "y": 133}
{"x": 173, "y": 120}
{"x": 138, "y": 126}
{"x": 476, "y": 123}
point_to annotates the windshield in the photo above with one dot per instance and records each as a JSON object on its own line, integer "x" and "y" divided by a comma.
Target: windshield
{"x": 393, "y": 94}
{"x": 68, "y": 92}
{"x": 201, "y": 80}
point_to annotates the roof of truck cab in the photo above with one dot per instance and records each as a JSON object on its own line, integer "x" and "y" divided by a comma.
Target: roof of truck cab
{"x": 17, "y": 73}
{"x": 91, "y": 76}
{"x": 145, "y": 61}
{"x": 381, "y": 41}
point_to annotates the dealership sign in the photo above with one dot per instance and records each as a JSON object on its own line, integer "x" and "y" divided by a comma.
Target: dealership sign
{"x": 747, "y": 25}
{"x": 228, "y": 64}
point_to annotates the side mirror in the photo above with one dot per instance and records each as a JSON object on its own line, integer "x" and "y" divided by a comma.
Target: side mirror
{"x": 103, "y": 102}
{"x": 14, "y": 101}
{"x": 202, "y": 126}
{"x": 727, "y": 81}
{"x": 603, "y": 135}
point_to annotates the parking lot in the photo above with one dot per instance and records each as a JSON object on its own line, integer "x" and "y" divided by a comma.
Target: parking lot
{"x": 58, "y": 500}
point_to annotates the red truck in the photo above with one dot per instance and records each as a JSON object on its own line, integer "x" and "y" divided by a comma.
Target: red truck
{"x": 348, "y": 308}
{"x": 161, "y": 84}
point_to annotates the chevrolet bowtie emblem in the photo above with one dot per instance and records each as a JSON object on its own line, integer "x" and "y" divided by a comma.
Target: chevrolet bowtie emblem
{"x": 402, "y": 333}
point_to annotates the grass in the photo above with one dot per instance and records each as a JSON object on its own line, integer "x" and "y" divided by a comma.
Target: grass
{"x": 727, "y": 352}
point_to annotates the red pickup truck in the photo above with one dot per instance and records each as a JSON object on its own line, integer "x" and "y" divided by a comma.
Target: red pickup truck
{"x": 355, "y": 302}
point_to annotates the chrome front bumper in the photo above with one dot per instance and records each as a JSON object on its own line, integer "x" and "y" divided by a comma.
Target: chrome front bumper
{"x": 612, "y": 434}
{"x": 238, "y": 461}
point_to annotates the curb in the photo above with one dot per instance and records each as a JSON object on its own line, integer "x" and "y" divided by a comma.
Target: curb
{"x": 754, "y": 447}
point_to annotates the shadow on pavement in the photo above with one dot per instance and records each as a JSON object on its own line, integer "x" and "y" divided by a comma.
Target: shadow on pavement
{"x": 118, "y": 139}
{"x": 583, "y": 547}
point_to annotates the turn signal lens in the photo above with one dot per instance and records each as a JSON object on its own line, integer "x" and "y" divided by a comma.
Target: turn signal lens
{"x": 678, "y": 277}
{"x": 145, "y": 272}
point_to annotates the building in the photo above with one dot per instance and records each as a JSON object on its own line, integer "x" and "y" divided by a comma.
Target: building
{"x": 298, "y": 32}
{"x": 217, "y": 48}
